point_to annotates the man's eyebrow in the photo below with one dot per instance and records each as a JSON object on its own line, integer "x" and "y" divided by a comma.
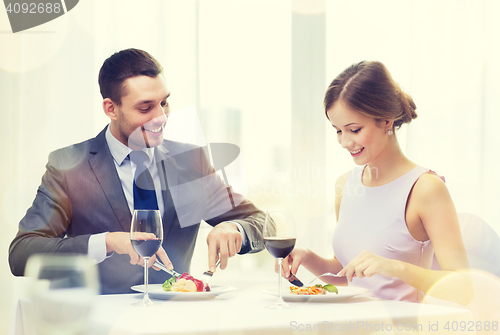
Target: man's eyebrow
{"x": 150, "y": 101}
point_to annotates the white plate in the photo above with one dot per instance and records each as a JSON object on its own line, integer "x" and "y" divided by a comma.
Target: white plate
{"x": 345, "y": 292}
{"x": 156, "y": 291}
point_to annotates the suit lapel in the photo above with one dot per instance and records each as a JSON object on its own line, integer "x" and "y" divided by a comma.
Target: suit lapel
{"x": 101, "y": 163}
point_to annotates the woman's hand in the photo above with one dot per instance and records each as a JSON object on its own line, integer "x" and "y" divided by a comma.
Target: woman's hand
{"x": 366, "y": 264}
{"x": 292, "y": 262}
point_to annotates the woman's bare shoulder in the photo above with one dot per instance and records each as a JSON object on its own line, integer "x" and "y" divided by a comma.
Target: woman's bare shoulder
{"x": 430, "y": 189}
{"x": 430, "y": 182}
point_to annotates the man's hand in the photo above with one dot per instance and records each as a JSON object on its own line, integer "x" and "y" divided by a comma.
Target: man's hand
{"x": 223, "y": 241}
{"x": 119, "y": 242}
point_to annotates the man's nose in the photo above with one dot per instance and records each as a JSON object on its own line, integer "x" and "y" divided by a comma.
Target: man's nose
{"x": 159, "y": 115}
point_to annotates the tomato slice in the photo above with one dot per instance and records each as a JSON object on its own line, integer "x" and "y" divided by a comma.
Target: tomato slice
{"x": 199, "y": 284}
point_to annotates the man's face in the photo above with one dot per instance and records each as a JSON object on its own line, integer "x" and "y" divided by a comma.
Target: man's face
{"x": 140, "y": 119}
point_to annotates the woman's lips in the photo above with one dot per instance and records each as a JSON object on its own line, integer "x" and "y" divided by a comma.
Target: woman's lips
{"x": 356, "y": 153}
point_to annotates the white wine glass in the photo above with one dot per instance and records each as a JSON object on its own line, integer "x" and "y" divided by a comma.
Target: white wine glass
{"x": 279, "y": 238}
{"x": 62, "y": 292}
{"x": 146, "y": 236}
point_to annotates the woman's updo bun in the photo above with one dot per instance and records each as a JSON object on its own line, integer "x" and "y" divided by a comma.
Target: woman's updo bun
{"x": 369, "y": 88}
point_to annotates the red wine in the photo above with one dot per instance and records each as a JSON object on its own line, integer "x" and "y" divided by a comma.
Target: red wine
{"x": 279, "y": 247}
{"x": 146, "y": 248}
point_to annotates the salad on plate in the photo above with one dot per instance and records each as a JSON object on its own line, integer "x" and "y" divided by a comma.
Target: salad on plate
{"x": 185, "y": 283}
{"x": 314, "y": 290}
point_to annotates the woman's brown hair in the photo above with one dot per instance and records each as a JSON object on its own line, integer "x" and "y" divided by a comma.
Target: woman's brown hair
{"x": 369, "y": 88}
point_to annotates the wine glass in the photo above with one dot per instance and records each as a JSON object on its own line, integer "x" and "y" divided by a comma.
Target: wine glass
{"x": 62, "y": 292}
{"x": 279, "y": 238}
{"x": 146, "y": 236}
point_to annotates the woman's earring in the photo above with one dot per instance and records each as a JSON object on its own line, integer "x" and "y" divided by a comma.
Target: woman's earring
{"x": 389, "y": 132}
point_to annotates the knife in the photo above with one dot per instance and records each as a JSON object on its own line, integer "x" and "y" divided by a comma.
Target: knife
{"x": 294, "y": 280}
{"x": 160, "y": 265}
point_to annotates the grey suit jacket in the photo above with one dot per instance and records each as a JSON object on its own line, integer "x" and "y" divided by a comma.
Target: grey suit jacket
{"x": 81, "y": 195}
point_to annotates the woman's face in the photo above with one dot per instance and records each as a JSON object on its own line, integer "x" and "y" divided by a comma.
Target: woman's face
{"x": 362, "y": 136}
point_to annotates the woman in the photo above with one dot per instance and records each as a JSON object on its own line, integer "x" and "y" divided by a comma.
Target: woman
{"x": 392, "y": 215}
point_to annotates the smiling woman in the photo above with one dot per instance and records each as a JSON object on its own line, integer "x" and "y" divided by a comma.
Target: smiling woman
{"x": 386, "y": 234}
{"x": 366, "y": 97}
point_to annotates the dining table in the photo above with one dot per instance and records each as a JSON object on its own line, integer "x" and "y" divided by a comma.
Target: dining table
{"x": 239, "y": 305}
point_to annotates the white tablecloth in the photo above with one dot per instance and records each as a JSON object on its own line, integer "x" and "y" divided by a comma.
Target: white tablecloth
{"x": 244, "y": 311}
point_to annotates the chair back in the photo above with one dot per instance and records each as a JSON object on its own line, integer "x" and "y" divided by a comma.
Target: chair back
{"x": 481, "y": 242}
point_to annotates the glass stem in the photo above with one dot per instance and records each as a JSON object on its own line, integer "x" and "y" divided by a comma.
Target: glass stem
{"x": 280, "y": 260}
{"x": 146, "y": 295}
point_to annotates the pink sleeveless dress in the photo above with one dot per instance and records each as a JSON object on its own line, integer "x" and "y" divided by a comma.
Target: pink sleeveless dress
{"x": 373, "y": 219}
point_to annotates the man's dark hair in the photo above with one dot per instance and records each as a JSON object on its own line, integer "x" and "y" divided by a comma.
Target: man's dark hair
{"x": 123, "y": 65}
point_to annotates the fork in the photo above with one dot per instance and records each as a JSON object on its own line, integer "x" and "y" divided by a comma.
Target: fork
{"x": 207, "y": 275}
{"x": 329, "y": 274}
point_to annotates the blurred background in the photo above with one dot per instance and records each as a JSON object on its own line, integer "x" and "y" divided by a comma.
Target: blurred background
{"x": 254, "y": 73}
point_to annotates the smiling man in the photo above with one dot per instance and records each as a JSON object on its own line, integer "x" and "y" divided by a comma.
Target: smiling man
{"x": 90, "y": 190}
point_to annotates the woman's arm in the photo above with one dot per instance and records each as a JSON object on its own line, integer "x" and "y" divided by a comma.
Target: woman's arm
{"x": 439, "y": 218}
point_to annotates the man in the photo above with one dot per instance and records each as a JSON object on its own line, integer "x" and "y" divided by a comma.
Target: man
{"x": 89, "y": 190}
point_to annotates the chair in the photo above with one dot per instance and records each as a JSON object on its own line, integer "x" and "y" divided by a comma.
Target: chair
{"x": 481, "y": 242}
